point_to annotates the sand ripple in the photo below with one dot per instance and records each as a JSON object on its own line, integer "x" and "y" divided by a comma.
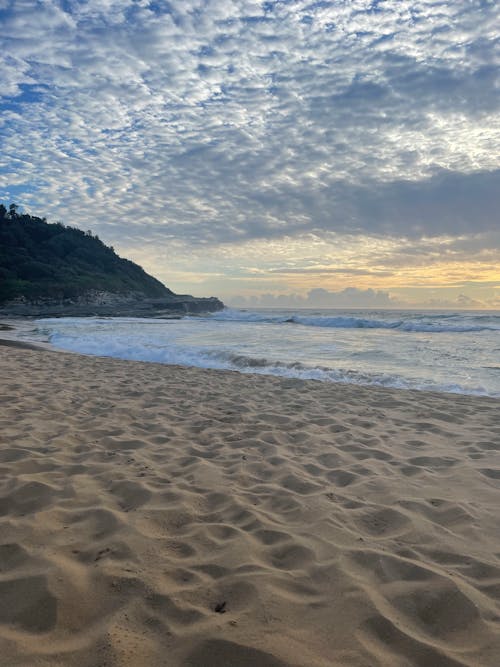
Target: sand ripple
{"x": 154, "y": 516}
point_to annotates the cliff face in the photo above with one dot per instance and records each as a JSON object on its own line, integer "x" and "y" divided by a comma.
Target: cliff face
{"x": 107, "y": 304}
{"x": 50, "y": 269}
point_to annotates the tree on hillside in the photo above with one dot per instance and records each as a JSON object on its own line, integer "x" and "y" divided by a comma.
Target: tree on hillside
{"x": 38, "y": 259}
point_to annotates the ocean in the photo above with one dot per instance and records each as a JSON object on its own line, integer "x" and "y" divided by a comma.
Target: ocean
{"x": 427, "y": 350}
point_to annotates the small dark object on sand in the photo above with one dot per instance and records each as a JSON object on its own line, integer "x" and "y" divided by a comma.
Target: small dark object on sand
{"x": 220, "y": 607}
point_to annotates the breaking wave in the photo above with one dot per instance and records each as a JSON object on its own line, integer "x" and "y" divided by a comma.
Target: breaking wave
{"x": 427, "y": 324}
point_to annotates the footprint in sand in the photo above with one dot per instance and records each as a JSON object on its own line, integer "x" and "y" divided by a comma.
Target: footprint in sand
{"x": 28, "y": 498}
{"x": 28, "y": 604}
{"x": 219, "y": 652}
{"x": 384, "y": 522}
{"x": 492, "y": 473}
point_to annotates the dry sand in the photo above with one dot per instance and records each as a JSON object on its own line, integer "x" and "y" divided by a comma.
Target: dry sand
{"x": 155, "y": 515}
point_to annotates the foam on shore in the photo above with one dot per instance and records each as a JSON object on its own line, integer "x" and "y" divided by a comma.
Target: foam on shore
{"x": 158, "y": 515}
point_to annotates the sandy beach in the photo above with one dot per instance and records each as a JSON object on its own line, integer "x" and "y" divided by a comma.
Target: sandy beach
{"x": 165, "y": 516}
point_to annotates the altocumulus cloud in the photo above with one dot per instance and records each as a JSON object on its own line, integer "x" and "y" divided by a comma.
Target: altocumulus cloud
{"x": 216, "y": 121}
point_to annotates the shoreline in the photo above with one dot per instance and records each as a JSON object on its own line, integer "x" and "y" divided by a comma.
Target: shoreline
{"x": 14, "y": 332}
{"x": 225, "y": 519}
{"x": 10, "y": 332}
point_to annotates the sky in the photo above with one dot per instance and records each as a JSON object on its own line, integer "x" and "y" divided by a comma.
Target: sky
{"x": 285, "y": 152}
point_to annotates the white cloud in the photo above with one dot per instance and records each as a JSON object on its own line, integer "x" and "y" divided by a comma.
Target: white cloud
{"x": 209, "y": 121}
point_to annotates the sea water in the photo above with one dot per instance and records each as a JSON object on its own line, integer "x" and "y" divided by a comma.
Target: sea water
{"x": 438, "y": 351}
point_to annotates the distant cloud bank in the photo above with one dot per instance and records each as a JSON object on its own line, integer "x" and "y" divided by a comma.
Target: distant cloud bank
{"x": 350, "y": 297}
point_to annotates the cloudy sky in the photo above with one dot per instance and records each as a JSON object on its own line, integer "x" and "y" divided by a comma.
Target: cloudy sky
{"x": 335, "y": 152}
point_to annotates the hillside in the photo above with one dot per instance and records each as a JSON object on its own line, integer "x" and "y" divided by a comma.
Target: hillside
{"x": 46, "y": 265}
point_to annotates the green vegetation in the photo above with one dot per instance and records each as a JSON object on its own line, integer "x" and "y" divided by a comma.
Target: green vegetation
{"x": 42, "y": 260}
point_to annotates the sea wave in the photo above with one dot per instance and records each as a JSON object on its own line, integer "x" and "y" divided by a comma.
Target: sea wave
{"x": 425, "y": 324}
